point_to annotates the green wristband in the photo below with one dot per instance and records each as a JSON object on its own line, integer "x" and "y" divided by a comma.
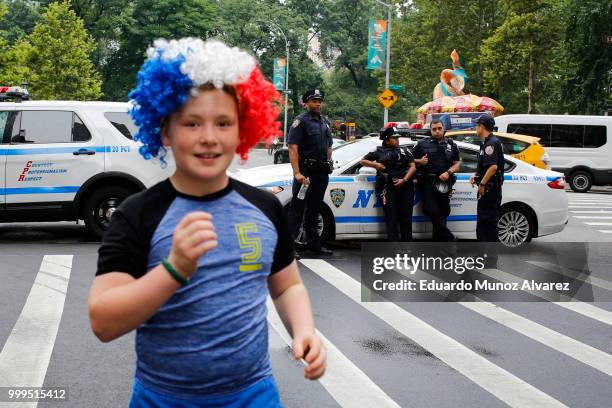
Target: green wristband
{"x": 177, "y": 276}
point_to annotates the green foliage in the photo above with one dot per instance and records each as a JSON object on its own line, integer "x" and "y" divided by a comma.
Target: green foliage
{"x": 519, "y": 48}
{"x": 20, "y": 19}
{"x": 587, "y": 73}
{"x": 59, "y": 57}
{"x": 143, "y": 22}
{"x": 14, "y": 63}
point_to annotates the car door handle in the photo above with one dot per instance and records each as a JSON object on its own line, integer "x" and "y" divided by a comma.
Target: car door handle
{"x": 84, "y": 151}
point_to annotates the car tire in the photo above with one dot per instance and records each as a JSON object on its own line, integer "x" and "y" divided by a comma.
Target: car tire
{"x": 100, "y": 206}
{"x": 277, "y": 158}
{"x": 581, "y": 181}
{"x": 515, "y": 226}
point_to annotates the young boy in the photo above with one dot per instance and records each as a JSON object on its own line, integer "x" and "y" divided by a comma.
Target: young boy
{"x": 189, "y": 262}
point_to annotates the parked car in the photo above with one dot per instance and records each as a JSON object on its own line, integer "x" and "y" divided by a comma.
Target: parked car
{"x": 525, "y": 148}
{"x": 579, "y": 146}
{"x": 534, "y": 200}
{"x": 68, "y": 160}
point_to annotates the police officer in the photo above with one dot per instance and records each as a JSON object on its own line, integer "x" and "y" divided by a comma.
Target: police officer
{"x": 310, "y": 143}
{"x": 437, "y": 160}
{"x": 394, "y": 183}
{"x": 489, "y": 177}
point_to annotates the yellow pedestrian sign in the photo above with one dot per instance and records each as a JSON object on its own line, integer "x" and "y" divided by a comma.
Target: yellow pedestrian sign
{"x": 387, "y": 98}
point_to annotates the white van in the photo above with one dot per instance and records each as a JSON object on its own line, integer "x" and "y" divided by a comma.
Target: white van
{"x": 68, "y": 160}
{"x": 579, "y": 146}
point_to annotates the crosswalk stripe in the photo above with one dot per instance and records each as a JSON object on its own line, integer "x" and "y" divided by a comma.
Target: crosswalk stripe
{"x": 27, "y": 351}
{"x": 344, "y": 381}
{"x": 582, "y": 308}
{"x": 564, "y": 344}
{"x": 590, "y": 279}
{"x": 499, "y": 382}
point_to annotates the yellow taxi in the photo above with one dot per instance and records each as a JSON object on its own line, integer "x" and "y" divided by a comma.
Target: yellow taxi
{"x": 523, "y": 147}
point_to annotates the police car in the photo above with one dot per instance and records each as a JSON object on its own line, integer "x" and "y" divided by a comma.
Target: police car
{"x": 67, "y": 160}
{"x": 534, "y": 200}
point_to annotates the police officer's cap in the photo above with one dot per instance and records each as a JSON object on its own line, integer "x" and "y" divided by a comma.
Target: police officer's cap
{"x": 386, "y": 133}
{"x": 487, "y": 121}
{"x": 313, "y": 94}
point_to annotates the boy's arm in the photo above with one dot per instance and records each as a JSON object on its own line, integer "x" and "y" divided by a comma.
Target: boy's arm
{"x": 119, "y": 303}
{"x": 293, "y": 305}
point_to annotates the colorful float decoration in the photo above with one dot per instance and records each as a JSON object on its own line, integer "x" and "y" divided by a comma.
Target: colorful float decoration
{"x": 448, "y": 95}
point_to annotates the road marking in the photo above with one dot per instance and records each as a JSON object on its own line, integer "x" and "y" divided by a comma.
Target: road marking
{"x": 590, "y": 279}
{"x": 27, "y": 351}
{"x": 499, "y": 382}
{"x": 582, "y": 308}
{"x": 584, "y": 353}
{"x": 344, "y": 381}
{"x": 605, "y": 224}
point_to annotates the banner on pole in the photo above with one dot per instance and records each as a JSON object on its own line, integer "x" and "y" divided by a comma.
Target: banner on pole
{"x": 280, "y": 73}
{"x": 377, "y": 46}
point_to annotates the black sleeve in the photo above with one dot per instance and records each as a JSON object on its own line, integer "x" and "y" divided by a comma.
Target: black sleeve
{"x": 372, "y": 156}
{"x": 126, "y": 243}
{"x": 418, "y": 151}
{"x": 284, "y": 253}
{"x": 296, "y": 133}
{"x": 491, "y": 155}
{"x": 409, "y": 156}
{"x": 122, "y": 249}
{"x": 455, "y": 150}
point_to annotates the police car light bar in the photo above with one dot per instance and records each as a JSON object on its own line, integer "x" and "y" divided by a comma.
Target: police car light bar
{"x": 13, "y": 93}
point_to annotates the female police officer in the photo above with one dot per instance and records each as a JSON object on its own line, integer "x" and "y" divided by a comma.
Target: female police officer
{"x": 394, "y": 185}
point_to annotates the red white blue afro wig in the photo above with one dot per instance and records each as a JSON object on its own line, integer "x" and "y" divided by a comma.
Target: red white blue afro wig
{"x": 174, "y": 70}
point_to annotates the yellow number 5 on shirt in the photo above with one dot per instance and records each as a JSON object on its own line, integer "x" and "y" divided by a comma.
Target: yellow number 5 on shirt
{"x": 252, "y": 244}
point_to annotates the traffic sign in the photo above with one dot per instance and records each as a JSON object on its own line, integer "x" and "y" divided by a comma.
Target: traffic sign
{"x": 387, "y": 98}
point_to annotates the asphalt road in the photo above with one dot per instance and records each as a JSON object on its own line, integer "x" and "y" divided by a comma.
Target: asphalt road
{"x": 443, "y": 354}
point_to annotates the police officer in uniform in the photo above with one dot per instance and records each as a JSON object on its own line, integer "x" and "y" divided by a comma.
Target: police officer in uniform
{"x": 437, "y": 160}
{"x": 489, "y": 177}
{"x": 394, "y": 183}
{"x": 310, "y": 141}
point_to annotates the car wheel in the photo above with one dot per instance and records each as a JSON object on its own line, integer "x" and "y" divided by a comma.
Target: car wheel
{"x": 515, "y": 226}
{"x": 581, "y": 181}
{"x": 100, "y": 207}
{"x": 277, "y": 158}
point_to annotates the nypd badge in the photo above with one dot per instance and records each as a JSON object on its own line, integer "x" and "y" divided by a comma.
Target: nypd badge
{"x": 489, "y": 150}
{"x": 337, "y": 196}
{"x": 295, "y": 123}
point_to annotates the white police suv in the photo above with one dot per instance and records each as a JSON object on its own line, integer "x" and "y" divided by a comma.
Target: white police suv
{"x": 534, "y": 200}
{"x": 66, "y": 160}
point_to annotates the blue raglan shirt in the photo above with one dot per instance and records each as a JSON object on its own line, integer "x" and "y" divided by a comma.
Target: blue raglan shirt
{"x": 211, "y": 337}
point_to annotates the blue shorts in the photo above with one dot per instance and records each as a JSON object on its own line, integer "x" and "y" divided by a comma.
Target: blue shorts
{"x": 263, "y": 393}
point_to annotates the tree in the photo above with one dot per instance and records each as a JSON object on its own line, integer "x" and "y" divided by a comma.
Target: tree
{"x": 20, "y": 19}
{"x": 423, "y": 39}
{"x": 588, "y": 72}
{"x": 516, "y": 54}
{"x": 59, "y": 59}
{"x": 144, "y": 22}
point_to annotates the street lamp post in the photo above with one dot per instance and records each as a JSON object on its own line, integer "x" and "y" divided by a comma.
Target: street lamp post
{"x": 286, "y": 90}
{"x": 389, "y": 7}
